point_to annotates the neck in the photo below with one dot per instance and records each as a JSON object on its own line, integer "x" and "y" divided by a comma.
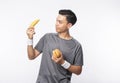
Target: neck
{"x": 65, "y": 35}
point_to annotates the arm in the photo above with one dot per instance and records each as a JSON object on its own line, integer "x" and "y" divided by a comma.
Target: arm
{"x": 32, "y": 53}
{"x": 73, "y": 68}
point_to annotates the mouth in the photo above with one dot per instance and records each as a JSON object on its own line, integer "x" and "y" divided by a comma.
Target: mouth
{"x": 57, "y": 27}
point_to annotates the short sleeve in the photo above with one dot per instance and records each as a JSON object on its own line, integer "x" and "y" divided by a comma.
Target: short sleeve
{"x": 78, "y": 60}
{"x": 40, "y": 45}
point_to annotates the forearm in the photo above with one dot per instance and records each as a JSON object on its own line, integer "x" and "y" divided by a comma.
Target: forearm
{"x": 32, "y": 53}
{"x": 30, "y": 50}
{"x": 72, "y": 68}
{"x": 75, "y": 69}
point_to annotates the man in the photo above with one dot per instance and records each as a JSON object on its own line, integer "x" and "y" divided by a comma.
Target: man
{"x": 53, "y": 69}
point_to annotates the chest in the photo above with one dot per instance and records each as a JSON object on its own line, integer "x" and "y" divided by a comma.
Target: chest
{"x": 66, "y": 47}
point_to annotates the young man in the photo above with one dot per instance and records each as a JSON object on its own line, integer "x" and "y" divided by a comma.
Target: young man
{"x": 53, "y": 69}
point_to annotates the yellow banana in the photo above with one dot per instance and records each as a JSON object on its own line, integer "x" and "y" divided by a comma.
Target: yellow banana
{"x": 57, "y": 53}
{"x": 53, "y": 52}
{"x": 34, "y": 23}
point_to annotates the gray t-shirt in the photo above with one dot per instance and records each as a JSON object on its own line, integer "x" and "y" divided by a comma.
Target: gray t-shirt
{"x": 50, "y": 72}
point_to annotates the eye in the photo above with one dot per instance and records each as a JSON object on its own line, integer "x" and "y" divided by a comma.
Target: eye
{"x": 60, "y": 22}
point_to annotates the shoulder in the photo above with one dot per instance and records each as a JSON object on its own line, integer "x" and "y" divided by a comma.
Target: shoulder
{"x": 76, "y": 42}
{"x": 48, "y": 35}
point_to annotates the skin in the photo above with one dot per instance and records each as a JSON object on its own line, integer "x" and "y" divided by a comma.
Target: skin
{"x": 62, "y": 28}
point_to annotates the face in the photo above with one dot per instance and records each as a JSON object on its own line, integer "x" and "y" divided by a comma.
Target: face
{"x": 61, "y": 24}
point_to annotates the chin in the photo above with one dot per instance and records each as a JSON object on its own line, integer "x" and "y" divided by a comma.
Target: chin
{"x": 57, "y": 30}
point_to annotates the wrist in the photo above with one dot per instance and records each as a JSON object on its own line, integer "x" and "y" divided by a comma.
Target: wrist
{"x": 30, "y": 37}
{"x": 29, "y": 41}
{"x": 62, "y": 62}
{"x": 66, "y": 64}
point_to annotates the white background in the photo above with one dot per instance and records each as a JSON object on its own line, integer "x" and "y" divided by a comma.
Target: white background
{"x": 97, "y": 29}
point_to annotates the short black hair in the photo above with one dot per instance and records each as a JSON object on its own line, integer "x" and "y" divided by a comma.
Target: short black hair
{"x": 70, "y": 15}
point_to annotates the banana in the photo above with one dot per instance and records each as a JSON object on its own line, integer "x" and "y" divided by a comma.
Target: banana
{"x": 57, "y": 53}
{"x": 34, "y": 23}
{"x": 53, "y": 52}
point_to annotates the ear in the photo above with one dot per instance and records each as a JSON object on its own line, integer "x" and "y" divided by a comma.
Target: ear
{"x": 69, "y": 25}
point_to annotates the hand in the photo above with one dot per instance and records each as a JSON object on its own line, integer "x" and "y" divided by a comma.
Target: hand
{"x": 30, "y": 32}
{"x": 59, "y": 60}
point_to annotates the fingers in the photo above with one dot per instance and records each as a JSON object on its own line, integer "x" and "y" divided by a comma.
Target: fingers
{"x": 54, "y": 59}
{"x": 30, "y": 32}
{"x": 30, "y": 29}
{"x": 58, "y": 60}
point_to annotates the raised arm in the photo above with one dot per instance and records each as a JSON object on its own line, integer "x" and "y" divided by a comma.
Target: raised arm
{"x": 32, "y": 53}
